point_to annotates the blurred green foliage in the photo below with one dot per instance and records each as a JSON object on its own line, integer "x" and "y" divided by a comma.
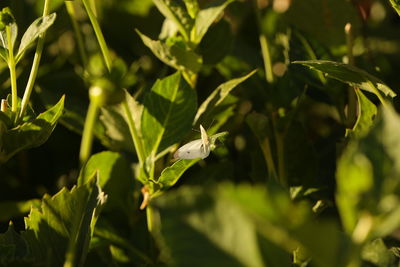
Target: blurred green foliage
{"x": 308, "y": 174}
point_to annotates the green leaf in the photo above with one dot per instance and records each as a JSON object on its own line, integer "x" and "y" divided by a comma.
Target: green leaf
{"x": 3, "y": 37}
{"x": 176, "y": 55}
{"x": 218, "y": 95}
{"x": 170, "y": 175}
{"x": 115, "y": 123}
{"x": 38, "y": 27}
{"x": 216, "y": 43}
{"x": 367, "y": 112}
{"x": 30, "y": 134}
{"x": 216, "y": 227}
{"x": 377, "y": 254}
{"x": 367, "y": 179}
{"x": 169, "y": 109}
{"x": 205, "y": 17}
{"x": 351, "y": 75}
{"x": 115, "y": 178}
{"x": 177, "y": 13}
{"x": 396, "y": 5}
{"x": 12, "y": 247}
{"x": 61, "y": 229}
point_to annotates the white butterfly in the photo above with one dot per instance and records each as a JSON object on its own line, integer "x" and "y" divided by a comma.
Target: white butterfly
{"x": 199, "y": 148}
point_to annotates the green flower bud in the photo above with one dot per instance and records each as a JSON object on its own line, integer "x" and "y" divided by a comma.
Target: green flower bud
{"x": 6, "y": 18}
{"x": 103, "y": 92}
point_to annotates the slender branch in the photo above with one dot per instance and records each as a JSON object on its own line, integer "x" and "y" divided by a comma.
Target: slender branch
{"x": 13, "y": 76}
{"x": 135, "y": 136}
{"x": 99, "y": 34}
{"x": 71, "y": 11}
{"x": 87, "y": 135}
{"x": 35, "y": 67}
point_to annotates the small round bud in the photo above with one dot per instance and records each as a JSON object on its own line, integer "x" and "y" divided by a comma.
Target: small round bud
{"x": 6, "y": 18}
{"x": 103, "y": 92}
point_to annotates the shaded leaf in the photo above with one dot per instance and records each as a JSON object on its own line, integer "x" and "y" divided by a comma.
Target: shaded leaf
{"x": 38, "y": 27}
{"x": 366, "y": 115}
{"x": 10, "y": 209}
{"x": 168, "y": 113}
{"x": 115, "y": 123}
{"x": 12, "y": 247}
{"x": 351, "y": 75}
{"x": 205, "y": 17}
{"x": 176, "y": 56}
{"x": 3, "y": 37}
{"x": 177, "y": 13}
{"x": 376, "y": 253}
{"x": 30, "y": 134}
{"x": 115, "y": 177}
{"x": 60, "y": 230}
{"x": 218, "y": 95}
{"x": 367, "y": 179}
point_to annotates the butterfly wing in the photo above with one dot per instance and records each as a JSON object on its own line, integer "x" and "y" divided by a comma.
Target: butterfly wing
{"x": 192, "y": 150}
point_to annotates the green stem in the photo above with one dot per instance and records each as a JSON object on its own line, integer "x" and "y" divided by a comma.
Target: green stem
{"x": 13, "y": 76}
{"x": 280, "y": 150}
{"x": 269, "y": 75}
{"x": 311, "y": 54}
{"x": 35, "y": 67}
{"x": 351, "y": 95}
{"x": 266, "y": 149}
{"x": 265, "y": 50}
{"x": 71, "y": 11}
{"x": 99, "y": 34}
{"x": 135, "y": 136}
{"x": 149, "y": 214}
{"x": 87, "y": 135}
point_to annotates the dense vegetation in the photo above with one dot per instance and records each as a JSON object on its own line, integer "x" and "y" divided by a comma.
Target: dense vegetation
{"x": 298, "y": 101}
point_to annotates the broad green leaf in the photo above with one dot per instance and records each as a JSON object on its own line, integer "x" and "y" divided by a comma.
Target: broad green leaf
{"x": 289, "y": 224}
{"x": 351, "y": 75}
{"x": 366, "y": 115}
{"x": 218, "y": 95}
{"x": 38, "y": 27}
{"x": 367, "y": 179}
{"x": 176, "y": 56}
{"x": 205, "y": 17}
{"x": 115, "y": 178}
{"x": 219, "y": 232}
{"x": 169, "y": 109}
{"x": 30, "y": 134}
{"x": 60, "y": 230}
{"x": 170, "y": 175}
{"x": 176, "y": 12}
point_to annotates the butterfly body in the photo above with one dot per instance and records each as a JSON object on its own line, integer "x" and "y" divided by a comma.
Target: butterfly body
{"x": 199, "y": 148}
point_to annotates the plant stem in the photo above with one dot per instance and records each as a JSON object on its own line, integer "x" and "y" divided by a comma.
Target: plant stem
{"x": 266, "y": 149}
{"x": 71, "y": 11}
{"x": 149, "y": 214}
{"x": 351, "y": 95}
{"x": 135, "y": 136}
{"x": 87, "y": 135}
{"x": 35, "y": 67}
{"x": 99, "y": 34}
{"x": 13, "y": 76}
{"x": 265, "y": 50}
